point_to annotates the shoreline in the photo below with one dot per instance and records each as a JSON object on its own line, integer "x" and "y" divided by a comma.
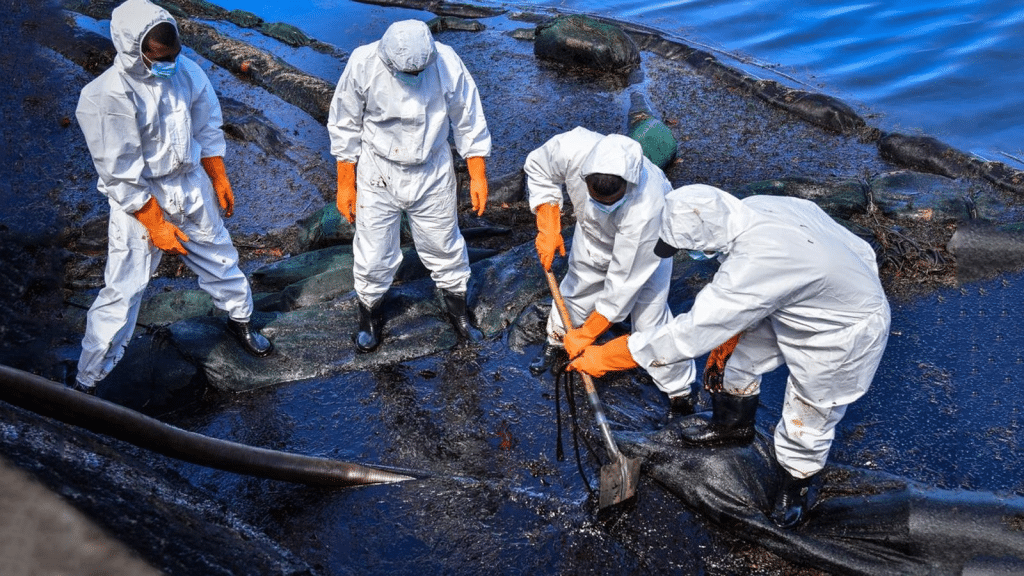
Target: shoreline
{"x": 727, "y": 135}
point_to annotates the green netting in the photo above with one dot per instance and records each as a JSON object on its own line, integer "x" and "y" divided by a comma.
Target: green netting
{"x": 583, "y": 41}
{"x": 244, "y": 19}
{"x": 286, "y": 33}
{"x": 656, "y": 139}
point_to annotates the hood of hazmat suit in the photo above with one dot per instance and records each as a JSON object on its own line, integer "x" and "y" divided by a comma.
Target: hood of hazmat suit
{"x": 129, "y": 24}
{"x": 705, "y": 219}
{"x": 617, "y": 155}
{"x": 407, "y": 46}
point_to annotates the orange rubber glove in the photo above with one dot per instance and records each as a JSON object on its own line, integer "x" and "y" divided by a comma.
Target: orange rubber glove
{"x": 477, "y": 183}
{"x": 214, "y": 166}
{"x": 610, "y": 357}
{"x": 165, "y": 236}
{"x": 549, "y": 234}
{"x": 347, "y": 190}
{"x": 714, "y": 370}
{"x": 576, "y": 339}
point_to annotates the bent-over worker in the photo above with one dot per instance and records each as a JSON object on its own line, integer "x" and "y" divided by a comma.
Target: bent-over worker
{"x": 800, "y": 290}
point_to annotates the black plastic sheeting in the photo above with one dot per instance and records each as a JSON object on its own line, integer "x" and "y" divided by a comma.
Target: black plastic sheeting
{"x": 864, "y": 522}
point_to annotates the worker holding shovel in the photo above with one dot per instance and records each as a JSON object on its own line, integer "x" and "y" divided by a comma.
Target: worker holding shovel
{"x": 617, "y": 197}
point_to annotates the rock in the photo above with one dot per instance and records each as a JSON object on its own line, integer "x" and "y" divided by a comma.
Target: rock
{"x": 326, "y": 274}
{"x": 325, "y": 227}
{"x": 441, "y": 8}
{"x": 249, "y": 125}
{"x": 167, "y": 307}
{"x": 315, "y": 340}
{"x": 506, "y": 189}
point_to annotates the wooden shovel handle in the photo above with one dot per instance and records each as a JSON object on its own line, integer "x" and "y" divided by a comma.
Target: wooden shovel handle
{"x": 588, "y": 382}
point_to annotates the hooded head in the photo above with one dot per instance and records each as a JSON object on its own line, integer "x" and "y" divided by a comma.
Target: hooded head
{"x": 129, "y": 24}
{"x": 617, "y": 155}
{"x": 407, "y": 46}
{"x": 699, "y": 218}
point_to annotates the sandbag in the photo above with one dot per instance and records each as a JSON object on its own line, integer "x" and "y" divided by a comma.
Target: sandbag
{"x": 983, "y": 249}
{"x": 924, "y": 153}
{"x": 825, "y": 111}
{"x": 839, "y": 199}
{"x": 244, "y": 19}
{"x": 924, "y": 197}
{"x": 656, "y": 139}
{"x": 581, "y": 41}
{"x": 285, "y": 33}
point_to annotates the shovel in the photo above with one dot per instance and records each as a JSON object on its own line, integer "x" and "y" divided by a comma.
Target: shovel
{"x": 619, "y": 477}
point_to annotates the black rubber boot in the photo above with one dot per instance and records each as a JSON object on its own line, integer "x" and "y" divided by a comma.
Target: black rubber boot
{"x": 455, "y": 307}
{"x": 793, "y": 499}
{"x": 368, "y": 336}
{"x": 252, "y": 341}
{"x": 547, "y": 358}
{"x": 731, "y": 421}
{"x": 683, "y": 403}
{"x": 79, "y": 387}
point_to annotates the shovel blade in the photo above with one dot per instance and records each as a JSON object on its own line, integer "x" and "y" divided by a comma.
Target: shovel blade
{"x": 619, "y": 481}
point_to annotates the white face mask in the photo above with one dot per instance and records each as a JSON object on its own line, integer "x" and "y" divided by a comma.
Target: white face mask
{"x": 608, "y": 208}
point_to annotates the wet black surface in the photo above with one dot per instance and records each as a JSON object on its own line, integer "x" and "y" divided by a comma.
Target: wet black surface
{"x": 944, "y": 409}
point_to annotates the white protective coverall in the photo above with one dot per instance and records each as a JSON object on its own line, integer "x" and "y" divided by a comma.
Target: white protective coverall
{"x": 799, "y": 288}
{"x": 146, "y": 136}
{"x": 397, "y": 127}
{"x": 612, "y": 266}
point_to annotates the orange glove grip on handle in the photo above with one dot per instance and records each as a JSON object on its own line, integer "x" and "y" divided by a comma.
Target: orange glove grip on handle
{"x": 599, "y": 360}
{"x": 347, "y": 190}
{"x": 576, "y": 339}
{"x": 549, "y": 234}
{"x": 477, "y": 167}
{"x": 165, "y": 236}
{"x": 214, "y": 166}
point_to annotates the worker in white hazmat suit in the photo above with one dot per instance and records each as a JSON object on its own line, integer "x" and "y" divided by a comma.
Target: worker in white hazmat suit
{"x": 153, "y": 127}
{"x": 617, "y": 198}
{"x": 395, "y": 105}
{"x": 800, "y": 290}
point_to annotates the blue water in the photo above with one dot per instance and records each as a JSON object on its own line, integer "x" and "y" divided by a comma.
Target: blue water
{"x": 948, "y": 69}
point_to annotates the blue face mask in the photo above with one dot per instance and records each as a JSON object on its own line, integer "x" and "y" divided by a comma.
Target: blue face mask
{"x": 162, "y": 69}
{"x": 411, "y": 80}
{"x": 608, "y": 208}
{"x": 701, "y": 255}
